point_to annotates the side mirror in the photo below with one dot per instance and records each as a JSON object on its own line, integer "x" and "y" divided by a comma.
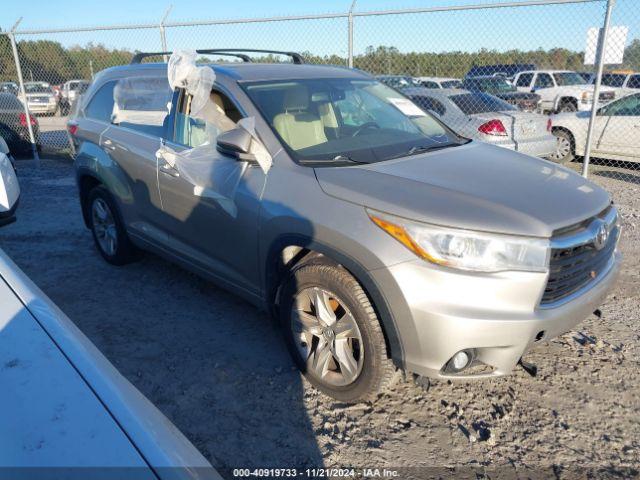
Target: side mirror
{"x": 236, "y": 143}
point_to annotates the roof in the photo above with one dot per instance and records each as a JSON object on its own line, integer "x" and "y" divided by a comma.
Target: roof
{"x": 260, "y": 71}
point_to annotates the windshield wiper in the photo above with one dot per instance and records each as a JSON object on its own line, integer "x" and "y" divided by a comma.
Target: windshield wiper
{"x": 336, "y": 159}
{"x": 422, "y": 149}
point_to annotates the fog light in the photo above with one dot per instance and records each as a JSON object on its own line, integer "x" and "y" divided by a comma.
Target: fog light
{"x": 460, "y": 360}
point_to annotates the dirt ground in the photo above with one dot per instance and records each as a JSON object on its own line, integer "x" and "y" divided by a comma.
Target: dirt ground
{"x": 218, "y": 369}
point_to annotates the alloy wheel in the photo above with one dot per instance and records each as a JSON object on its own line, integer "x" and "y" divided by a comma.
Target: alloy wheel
{"x": 104, "y": 226}
{"x": 327, "y": 336}
{"x": 563, "y": 148}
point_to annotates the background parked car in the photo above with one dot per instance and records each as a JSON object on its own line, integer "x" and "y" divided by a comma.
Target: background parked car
{"x": 13, "y": 124}
{"x": 616, "y": 134}
{"x": 70, "y": 93}
{"x": 439, "y": 82}
{"x": 508, "y": 70}
{"x": 9, "y": 87}
{"x": 501, "y": 88}
{"x": 560, "y": 90}
{"x": 40, "y": 98}
{"x": 487, "y": 118}
{"x": 399, "y": 82}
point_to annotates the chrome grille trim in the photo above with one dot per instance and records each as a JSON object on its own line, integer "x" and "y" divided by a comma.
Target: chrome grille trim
{"x": 576, "y": 265}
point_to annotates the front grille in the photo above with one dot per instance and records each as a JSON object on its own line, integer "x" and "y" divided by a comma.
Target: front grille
{"x": 573, "y": 267}
{"x": 607, "y": 95}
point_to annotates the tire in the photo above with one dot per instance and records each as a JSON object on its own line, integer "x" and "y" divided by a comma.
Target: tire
{"x": 351, "y": 364}
{"x": 567, "y": 107}
{"x": 107, "y": 227}
{"x": 565, "y": 148}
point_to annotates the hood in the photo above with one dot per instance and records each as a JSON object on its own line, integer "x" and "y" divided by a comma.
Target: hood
{"x": 474, "y": 186}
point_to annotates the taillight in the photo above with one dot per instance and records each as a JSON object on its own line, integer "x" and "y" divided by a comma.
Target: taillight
{"x": 73, "y": 128}
{"x": 23, "y": 119}
{"x": 493, "y": 127}
{"x": 549, "y": 124}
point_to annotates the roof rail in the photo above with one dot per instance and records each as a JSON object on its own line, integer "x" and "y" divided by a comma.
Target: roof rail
{"x": 231, "y": 52}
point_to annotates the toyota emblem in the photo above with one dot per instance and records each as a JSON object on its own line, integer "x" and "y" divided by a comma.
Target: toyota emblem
{"x": 601, "y": 237}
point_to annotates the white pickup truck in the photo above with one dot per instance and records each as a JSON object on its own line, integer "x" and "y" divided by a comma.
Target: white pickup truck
{"x": 561, "y": 90}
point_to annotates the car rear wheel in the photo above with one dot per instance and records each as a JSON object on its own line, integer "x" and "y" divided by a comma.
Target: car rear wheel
{"x": 108, "y": 229}
{"x": 333, "y": 333}
{"x": 565, "y": 151}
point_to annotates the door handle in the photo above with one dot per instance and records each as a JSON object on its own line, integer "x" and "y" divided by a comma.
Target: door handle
{"x": 170, "y": 170}
{"x": 109, "y": 145}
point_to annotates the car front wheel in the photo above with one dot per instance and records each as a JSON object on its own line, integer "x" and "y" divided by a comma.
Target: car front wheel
{"x": 333, "y": 333}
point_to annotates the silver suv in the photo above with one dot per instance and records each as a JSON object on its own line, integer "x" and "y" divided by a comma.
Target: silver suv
{"x": 379, "y": 238}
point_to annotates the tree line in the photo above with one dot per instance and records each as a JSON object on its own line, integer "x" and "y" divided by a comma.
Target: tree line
{"x": 46, "y": 60}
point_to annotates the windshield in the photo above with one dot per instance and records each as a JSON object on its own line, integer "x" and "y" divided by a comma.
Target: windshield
{"x": 345, "y": 120}
{"x": 568, "y": 78}
{"x": 472, "y": 103}
{"x": 491, "y": 85}
{"x": 36, "y": 88}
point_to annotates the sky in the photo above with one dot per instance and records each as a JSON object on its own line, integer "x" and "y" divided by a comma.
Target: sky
{"x": 502, "y": 29}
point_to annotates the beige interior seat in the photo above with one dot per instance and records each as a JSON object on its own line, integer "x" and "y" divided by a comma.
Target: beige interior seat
{"x": 296, "y": 125}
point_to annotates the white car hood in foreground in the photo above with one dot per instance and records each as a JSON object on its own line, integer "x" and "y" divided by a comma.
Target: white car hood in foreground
{"x": 62, "y": 404}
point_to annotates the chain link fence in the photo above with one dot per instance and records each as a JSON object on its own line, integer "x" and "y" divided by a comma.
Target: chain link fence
{"x": 511, "y": 73}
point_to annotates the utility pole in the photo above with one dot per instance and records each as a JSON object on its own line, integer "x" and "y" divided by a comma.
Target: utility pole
{"x": 602, "y": 45}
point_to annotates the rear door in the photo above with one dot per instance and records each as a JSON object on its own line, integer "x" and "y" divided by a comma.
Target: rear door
{"x": 137, "y": 126}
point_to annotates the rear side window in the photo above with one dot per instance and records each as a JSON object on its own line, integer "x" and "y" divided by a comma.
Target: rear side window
{"x": 634, "y": 81}
{"x": 100, "y": 107}
{"x": 524, "y": 80}
{"x": 472, "y": 103}
{"x": 142, "y": 104}
{"x": 613, "y": 79}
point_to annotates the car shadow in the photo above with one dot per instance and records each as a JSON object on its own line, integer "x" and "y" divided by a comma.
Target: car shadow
{"x": 617, "y": 175}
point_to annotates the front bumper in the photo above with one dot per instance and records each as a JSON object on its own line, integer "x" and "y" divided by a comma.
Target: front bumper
{"x": 440, "y": 311}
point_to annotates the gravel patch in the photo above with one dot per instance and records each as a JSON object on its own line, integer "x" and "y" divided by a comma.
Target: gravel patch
{"x": 219, "y": 370}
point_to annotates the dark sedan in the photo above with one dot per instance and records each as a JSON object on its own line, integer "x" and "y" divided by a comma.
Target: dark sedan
{"x": 13, "y": 124}
{"x": 501, "y": 88}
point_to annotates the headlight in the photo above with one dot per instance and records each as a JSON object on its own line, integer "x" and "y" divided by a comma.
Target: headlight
{"x": 587, "y": 97}
{"x": 465, "y": 249}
